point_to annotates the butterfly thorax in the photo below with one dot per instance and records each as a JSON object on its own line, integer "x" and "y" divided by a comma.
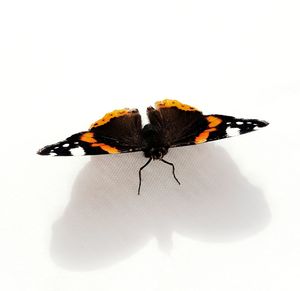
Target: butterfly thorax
{"x": 153, "y": 145}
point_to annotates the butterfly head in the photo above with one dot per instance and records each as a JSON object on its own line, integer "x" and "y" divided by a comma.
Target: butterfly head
{"x": 155, "y": 153}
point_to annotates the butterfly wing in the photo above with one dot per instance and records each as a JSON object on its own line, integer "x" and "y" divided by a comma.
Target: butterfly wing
{"x": 223, "y": 126}
{"x": 180, "y": 124}
{"x": 117, "y": 132}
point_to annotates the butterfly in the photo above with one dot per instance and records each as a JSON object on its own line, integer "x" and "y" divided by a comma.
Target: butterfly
{"x": 171, "y": 124}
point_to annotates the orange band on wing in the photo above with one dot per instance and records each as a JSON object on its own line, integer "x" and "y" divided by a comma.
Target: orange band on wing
{"x": 107, "y": 148}
{"x": 213, "y": 121}
{"x": 203, "y": 136}
{"x": 88, "y": 137}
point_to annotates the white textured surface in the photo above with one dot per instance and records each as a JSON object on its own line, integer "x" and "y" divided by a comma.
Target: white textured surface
{"x": 76, "y": 223}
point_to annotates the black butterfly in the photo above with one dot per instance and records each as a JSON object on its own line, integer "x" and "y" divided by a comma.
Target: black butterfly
{"x": 172, "y": 124}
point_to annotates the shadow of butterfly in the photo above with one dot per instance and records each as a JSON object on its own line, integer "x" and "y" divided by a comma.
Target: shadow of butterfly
{"x": 105, "y": 223}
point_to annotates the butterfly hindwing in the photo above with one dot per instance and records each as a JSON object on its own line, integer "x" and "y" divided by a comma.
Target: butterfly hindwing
{"x": 120, "y": 127}
{"x": 117, "y": 132}
{"x": 176, "y": 122}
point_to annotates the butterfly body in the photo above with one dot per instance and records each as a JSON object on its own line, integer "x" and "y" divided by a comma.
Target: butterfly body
{"x": 171, "y": 124}
{"x": 153, "y": 144}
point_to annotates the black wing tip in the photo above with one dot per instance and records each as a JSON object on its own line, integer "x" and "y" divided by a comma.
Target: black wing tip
{"x": 263, "y": 123}
{"x": 45, "y": 151}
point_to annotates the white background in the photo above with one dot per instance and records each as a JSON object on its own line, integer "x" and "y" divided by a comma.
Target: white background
{"x": 77, "y": 223}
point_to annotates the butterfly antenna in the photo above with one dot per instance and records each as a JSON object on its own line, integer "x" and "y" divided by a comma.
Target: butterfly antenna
{"x": 140, "y": 174}
{"x": 173, "y": 169}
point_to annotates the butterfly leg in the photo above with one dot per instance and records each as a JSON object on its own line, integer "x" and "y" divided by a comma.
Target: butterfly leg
{"x": 173, "y": 169}
{"x": 140, "y": 174}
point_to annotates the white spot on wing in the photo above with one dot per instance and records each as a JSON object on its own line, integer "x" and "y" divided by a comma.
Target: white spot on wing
{"x": 53, "y": 154}
{"x": 77, "y": 151}
{"x": 239, "y": 122}
{"x": 232, "y": 131}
